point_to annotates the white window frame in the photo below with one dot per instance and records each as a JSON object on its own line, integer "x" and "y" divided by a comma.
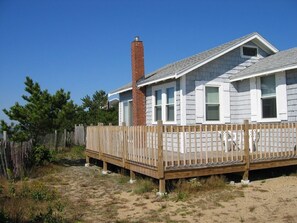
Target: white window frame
{"x": 224, "y": 101}
{"x": 163, "y": 88}
{"x": 281, "y": 99}
{"x": 205, "y": 103}
{"x": 263, "y": 97}
{"x": 249, "y": 46}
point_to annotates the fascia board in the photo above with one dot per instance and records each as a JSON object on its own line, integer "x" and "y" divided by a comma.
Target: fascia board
{"x": 264, "y": 73}
{"x": 120, "y": 91}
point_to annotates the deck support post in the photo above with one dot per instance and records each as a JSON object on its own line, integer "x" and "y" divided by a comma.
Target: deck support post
{"x": 104, "y": 171}
{"x": 160, "y": 159}
{"x": 162, "y": 187}
{"x": 132, "y": 177}
{"x": 87, "y": 164}
{"x": 245, "y": 178}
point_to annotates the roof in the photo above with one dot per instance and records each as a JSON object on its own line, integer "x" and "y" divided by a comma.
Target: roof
{"x": 122, "y": 89}
{"x": 181, "y": 67}
{"x": 281, "y": 61}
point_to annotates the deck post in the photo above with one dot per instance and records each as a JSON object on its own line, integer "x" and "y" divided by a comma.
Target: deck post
{"x": 104, "y": 171}
{"x": 160, "y": 159}
{"x": 132, "y": 177}
{"x": 87, "y": 164}
{"x": 245, "y": 179}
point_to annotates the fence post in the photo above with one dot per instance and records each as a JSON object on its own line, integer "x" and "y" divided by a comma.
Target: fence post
{"x": 3, "y": 146}
{"x": 55, "y": 139}
{"x": 160, "y": 159}
{"x": 65, "y": 138}
{"x": 5, "y": 136}
{"x": 245, "y": 179}
{"x": 124, "y": 144}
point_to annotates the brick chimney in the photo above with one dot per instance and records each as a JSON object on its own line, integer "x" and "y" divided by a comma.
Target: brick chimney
{"x": 138, "y": 95}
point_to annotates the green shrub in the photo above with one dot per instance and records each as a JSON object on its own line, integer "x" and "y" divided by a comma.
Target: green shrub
{"x": 49, "y": 217}
{"x": 41, "y": 155}
{"x": 40, "y": 192}
{"x": 3, "y": 216}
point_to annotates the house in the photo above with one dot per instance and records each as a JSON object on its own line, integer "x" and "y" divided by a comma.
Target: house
{"x": 247, "y": 78}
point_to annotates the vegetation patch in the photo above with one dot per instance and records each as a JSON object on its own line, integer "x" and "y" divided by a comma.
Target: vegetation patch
{"x": 144, "y": 186}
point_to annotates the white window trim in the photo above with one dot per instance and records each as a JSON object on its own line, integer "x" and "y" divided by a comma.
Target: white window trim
{"x": 249, "y": 46}
{"x": 163, "y": 88}
{"x": 122, "y": 112}
{"x": 224, "y": 100}
{"x": 281, "y": 99}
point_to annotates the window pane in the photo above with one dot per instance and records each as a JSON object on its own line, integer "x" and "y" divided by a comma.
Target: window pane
{"x": 158, "y": 95}
{"x": 158, "y": 113}
{"x": 268, "y": 86}
{"x": 128, "y": 113}
{"x": 212, "y": 95}
{"x": 170, "y": 113}
{"x": 170, "y": 95}
{"x": 249, "y": 51}
{"x": 212, "y": 112}
{"x": 269, "y": 107}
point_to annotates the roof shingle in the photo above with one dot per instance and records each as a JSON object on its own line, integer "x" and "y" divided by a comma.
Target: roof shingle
{"x": 282, "y": 59}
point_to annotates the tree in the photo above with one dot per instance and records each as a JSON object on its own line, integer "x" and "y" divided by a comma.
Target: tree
{"x": 97, "y": 110}
{"x": 42, "y": 112}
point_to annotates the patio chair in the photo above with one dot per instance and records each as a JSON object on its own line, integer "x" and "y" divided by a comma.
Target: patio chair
{"x": 229, "y": 142}
{"x": 254, "y": 138}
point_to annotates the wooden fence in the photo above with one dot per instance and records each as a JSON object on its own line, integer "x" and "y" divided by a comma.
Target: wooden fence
{"x": 14, "y": 158}
{"x": 62, "y": 139}
{"x": 169, "y": 150}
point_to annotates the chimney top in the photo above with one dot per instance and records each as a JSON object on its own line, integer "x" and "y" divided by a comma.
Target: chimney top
{"x": 136, "y": 38}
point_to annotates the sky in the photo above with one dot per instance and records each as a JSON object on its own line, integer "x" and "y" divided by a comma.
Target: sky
{"x": 84, "y": 45}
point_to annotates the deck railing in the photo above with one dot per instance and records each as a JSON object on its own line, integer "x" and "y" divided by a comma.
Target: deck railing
{"x": 199, "y": 145}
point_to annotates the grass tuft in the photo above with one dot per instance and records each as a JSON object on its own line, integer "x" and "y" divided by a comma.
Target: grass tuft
{"x": 144, "y": 186}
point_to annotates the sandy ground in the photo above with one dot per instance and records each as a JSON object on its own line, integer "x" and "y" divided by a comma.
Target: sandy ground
{"x": 109, "y": 198}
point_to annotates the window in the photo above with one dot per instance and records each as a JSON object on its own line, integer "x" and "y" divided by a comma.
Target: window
{"x": 268, "y": 96}
{"x": 249, "y": 51}
{"x": 170, "y": 104}
{"x": 127, "y": 112}
{"x": 158, "y": 105}
{"x": 163, "y": 103}
{"x": 212, "y": 104}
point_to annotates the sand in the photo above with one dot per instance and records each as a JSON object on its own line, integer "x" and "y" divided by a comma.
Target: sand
{"x": 97, "y": 198}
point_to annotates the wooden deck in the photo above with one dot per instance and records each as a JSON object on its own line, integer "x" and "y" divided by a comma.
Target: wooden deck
{"x": 172, "y": 152}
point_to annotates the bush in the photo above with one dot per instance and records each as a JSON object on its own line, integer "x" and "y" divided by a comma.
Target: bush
{"x": 41, "y": 155}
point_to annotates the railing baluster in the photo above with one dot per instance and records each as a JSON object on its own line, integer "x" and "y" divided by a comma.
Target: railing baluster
{"x": 172, "y": 148}
{"x": 201, "y": 151}
{"x": 217, "y": 144}
{"x": 190, "y": 146}
{"x": 195, "y": 141}
{"x": 178, "y": 147}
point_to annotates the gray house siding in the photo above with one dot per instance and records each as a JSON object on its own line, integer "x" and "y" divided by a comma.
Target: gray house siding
{"x": 291, "y": 77}
{"x": 148, "y": 105}
{"x": 219, "y": 70}
{"x": 240, "y": 101}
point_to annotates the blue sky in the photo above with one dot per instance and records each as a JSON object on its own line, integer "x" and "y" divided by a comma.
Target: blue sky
{"x": 84, "y": 45}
